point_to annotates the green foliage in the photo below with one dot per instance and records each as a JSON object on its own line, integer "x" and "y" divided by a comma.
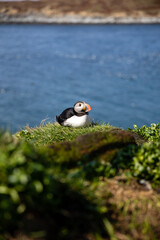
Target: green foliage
{"x": 141, "y": 161}
{"x": 20, "y": 173}
{"x": 151, "y": 133}
{"x": 146, "y": 162}
{"x": 52, "y": 183}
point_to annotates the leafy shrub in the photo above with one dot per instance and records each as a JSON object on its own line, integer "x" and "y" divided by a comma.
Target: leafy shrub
{"x": 142, "y": 161}
{"x": 146, "y": 162}
{"x": 22, "y": 173}
{"x": 151, "y": 133}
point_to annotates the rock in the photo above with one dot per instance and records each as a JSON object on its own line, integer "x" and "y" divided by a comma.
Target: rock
{"x": 146, "y": 184}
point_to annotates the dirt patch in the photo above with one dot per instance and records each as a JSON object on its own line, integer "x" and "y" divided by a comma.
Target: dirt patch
{"x": 138, "y": 208}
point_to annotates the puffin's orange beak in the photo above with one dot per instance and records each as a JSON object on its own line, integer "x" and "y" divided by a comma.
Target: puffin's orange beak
{"x": 88, "y": 107}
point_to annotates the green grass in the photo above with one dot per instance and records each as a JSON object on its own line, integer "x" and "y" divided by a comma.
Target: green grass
{"x": 51, "y": 132}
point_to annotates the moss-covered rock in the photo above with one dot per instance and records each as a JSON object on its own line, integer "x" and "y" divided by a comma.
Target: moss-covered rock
{"x": 99, "y": 146}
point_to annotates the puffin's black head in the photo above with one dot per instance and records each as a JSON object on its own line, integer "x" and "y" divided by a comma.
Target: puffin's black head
{"x": 81, "y": 106}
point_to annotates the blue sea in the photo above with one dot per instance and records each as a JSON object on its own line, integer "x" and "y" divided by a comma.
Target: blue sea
{"x": 47, "y": 68}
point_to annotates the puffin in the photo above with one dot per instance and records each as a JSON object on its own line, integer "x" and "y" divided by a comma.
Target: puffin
{"x": 76, "y": 116}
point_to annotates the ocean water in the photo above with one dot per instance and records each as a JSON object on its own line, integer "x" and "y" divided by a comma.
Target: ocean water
{"x": 47, "y": 68}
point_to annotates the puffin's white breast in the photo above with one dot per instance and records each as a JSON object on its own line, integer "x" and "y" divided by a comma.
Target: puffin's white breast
{"x": 78, "y": 121}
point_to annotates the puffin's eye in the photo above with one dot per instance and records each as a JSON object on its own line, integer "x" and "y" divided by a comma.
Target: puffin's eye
{"x": 80, "y": 105}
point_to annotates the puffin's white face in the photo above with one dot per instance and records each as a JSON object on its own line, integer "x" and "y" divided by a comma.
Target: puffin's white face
{"x": 81, "y": 106}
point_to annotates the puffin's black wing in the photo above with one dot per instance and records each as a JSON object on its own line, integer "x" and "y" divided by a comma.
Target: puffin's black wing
{"x": 69, "y": 112}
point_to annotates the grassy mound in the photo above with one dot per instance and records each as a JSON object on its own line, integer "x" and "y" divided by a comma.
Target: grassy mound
{"x": 49, "y": 133}
{"x": 79, "y": 184}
